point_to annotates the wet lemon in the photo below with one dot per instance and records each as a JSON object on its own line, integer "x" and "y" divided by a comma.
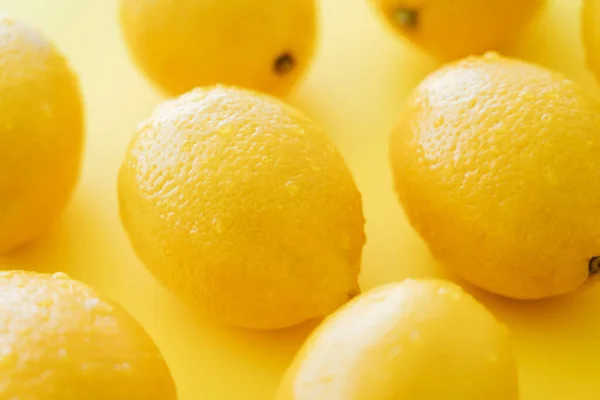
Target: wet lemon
{"x": 493, "y": 159}
{"x": 41, "y": 133}
{"x": 242, "y": 207}
{"x": 59, "y": 340}
{"x": 415, "y": 340}
{"x": 264, "y": 45}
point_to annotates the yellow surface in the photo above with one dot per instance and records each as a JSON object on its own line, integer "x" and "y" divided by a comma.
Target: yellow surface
{"x": 354, "y": 90}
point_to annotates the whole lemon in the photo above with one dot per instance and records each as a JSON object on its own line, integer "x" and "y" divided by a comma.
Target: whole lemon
{"x": 414, "y": 340}
{"x": 41, "y": 133}
{"x": 456, "y": 28}
{"x": 241, "y": 206}
{"x": 264, "y": 45}
{"x": 590, "y": 21}
{"x": 60, "y": 341}
{"x": 494, "y": 161}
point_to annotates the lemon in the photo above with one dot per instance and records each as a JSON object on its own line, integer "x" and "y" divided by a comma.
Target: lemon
{"x": 493, "y": 161}
{"x": 242, "y": 207}
{"x": 264, "y": 45}
{"x": 456, "y": 28}
{"x": 41, "y": 133}
{"x": 590, "y": 21}
{"x": 60, "y": 341}
{"x": 414, "y": 340}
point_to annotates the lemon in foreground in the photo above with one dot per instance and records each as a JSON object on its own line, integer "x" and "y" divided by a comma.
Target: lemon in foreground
{"x": 264, "y": 45}
{"x": 41, "y": 133}
{"x": 456, "y": 28}
{"x": 414, "y": 340}
{"x": 241, "y": 206}
{"x": 60, "y": 341}
{"x": 590, "y": 22}
{"x": 494, "y": 161}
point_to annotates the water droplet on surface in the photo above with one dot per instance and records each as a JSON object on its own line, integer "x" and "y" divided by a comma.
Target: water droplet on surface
{"x": 217, "y": 224}
{"x": 60, "y": 275}
{"x": 292, "y": 188}
{"x": 63, "y": 354}
{"x": 97, "y": 305}
{"x": 415, "y": 335}
{"x": 490, "y": 55}
{"x": 314, "y": 167}
{"x": 225, "y": 130}
{"x": 124, "y": 369}
{"x": 45, "y": 301}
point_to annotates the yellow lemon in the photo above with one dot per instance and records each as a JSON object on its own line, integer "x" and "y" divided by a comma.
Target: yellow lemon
{"x": 494, "y": 161}
{"x": 590, "y": 20}
{"x": 60, "y": 341}
{"x": 457, "y": 28}
{"x": 264, "y": 45}
{"x": 415, "y": 340}
{"x": 241, "y": 206}
{"x": 41, "y": 133}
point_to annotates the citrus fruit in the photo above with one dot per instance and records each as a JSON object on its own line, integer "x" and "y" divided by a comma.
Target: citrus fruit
{"x": 494, "y": 160}
{"x": 241, "y": 206}
{"x": 414, "y": 340}
{"x": 590, "y": 20}
{"x": 264, "y": 45}
{"x": 41, "y": 133}
{"x": 60, "y": 341}
{"x": 456, "y": 28}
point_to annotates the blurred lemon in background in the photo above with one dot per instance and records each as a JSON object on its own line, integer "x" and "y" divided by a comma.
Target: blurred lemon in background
{"x": 456, "y": 28}
{"x": 241, "y": 206}
{"x": 41, "y": 133}
{"x": 494, "y": 161}
{"x": 415, "y": 340}
{"x": 60, "y": 341}
{"x": 264, "y": 45}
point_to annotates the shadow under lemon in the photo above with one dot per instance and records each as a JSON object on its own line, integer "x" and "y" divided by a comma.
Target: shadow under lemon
{"x": 53, "y": 251}
{"x": 554, "y": 40}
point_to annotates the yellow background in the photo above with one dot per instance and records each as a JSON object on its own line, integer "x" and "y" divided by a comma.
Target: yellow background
{"x": 359, "y": 80}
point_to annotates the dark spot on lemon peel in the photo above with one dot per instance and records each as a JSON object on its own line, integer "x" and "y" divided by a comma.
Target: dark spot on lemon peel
{"x": 407, "y": 18}
{"x": 353, "y": 293}
{"x": 284, "y": 63}
{"x": 594, "y": 265}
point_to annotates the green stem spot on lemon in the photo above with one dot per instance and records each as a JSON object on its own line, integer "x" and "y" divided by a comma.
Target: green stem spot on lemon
{"x": 408, "y": 18}
{"x": 594, "y": 265}
{"x": 284, "y": 64}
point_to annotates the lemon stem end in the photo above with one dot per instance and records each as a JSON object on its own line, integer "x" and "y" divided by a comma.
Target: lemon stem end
{"x": 594, "y": 265}
{"x": 284, "y": 63}
{"x": 408, "y": 18}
